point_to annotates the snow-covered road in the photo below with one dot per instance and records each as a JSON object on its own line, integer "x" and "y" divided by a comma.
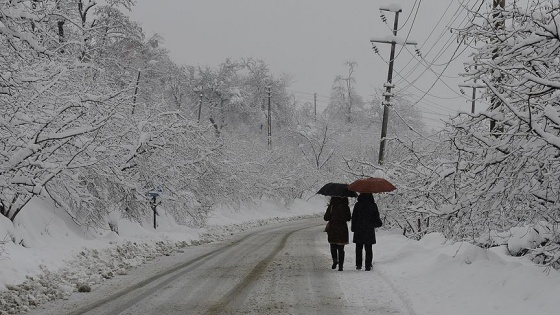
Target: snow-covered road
{"x": 279, "y": 269}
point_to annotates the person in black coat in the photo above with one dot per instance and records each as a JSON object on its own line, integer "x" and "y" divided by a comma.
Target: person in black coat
{"x": 365, "y": 218}
{"x": 338, "y": 213}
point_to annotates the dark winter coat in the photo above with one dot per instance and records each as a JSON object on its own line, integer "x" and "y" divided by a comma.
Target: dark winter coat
{"x": 338, "y": 213}
{"x": 364, "y": 216}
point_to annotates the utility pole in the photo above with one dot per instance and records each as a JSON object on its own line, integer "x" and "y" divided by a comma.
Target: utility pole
{"x": 136, "y": 91}
{"x": 269, "y": 90}
{"x": 200, "y": 104}
{"x": 315, "y": 105}
{"x": 498, "y": 7}
{"x": 474, "y": 86}
{"x": 389, "y": 84}
{"x": 349, "y": 102}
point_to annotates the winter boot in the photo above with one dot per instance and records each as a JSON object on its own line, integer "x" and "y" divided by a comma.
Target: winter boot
{"x": 340, "y": 259}
{"x": 359, "y": 256}
{"x": 334, "y": 256}
{"x": 369, "y": 257}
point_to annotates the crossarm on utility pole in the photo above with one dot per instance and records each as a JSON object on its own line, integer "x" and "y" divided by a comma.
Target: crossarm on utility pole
{"x": 473, "y": 86}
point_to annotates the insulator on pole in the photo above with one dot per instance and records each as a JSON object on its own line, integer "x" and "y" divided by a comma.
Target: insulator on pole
{"x": 418, "y": 53}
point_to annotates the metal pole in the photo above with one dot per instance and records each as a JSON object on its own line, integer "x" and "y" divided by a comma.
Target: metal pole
{"x": 473, "y": 99}
{"x": 388, "y": 87}
{"x": 154, "y": 209}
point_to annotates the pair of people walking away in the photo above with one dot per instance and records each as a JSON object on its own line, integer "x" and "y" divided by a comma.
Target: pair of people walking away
{"x": 365, "y": 218}
{"x": 338, "y": 213}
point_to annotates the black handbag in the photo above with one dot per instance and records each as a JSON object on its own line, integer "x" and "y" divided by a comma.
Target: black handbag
{"x": 327, "y": 217}
{"x": 377, "y": 222}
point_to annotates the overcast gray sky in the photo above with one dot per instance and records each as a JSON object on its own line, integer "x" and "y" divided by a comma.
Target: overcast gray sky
{"x": 311, "y": 40}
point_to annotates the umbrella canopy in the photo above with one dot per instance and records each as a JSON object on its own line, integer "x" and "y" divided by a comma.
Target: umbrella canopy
{"x": 371, "y": 185}
{"x": 336, "y": 190}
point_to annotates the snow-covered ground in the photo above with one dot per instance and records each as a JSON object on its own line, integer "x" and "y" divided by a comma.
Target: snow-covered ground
{"x": 433, "y": 275}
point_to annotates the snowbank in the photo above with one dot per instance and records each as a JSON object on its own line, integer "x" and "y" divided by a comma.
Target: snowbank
{"x": 440, "y": 277}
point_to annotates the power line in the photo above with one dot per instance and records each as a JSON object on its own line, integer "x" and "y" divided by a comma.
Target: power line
{"x": 445, "y": 68}
{"x": 411, "y": 84}
{"x": 428, "y": 65}
{"x": 309, "y": 93}
{"x": 437, "y": 79}
{"x": 445, "y": 46}
{"x": 440, "y": 53}
{"x": 411, "y": 26}
{"x": 409, "y": 15}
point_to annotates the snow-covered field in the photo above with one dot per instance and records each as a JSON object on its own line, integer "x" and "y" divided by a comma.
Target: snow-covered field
{"x": 435, "y": 276}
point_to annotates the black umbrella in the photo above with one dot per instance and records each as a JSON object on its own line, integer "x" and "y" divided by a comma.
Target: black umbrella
{"x": 336, "y": 190}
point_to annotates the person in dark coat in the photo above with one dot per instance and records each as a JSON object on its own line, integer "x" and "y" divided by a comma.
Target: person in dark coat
{"x": 338, "y": 213}
{"x": 365, "y": 217}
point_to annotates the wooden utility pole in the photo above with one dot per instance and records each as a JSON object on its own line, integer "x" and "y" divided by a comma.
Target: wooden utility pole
{"x": 136, "y": 91}
{"x": 498, "y": 7}
{"x": 389, "y": 84}
{"x": 200, "y": 105}
{"x": 269, "y": 90}
{"x": 474, "y": 86}
{"x": 315, "y": 105}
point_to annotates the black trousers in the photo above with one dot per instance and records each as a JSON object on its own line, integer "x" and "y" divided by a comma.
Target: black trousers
{"x": 369, "y": 254}
{"x": 337, "y": 253}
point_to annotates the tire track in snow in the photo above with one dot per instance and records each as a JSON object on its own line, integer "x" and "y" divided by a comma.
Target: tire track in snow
{"x": 156, "y": 282}
{"x": 244, "y": 286}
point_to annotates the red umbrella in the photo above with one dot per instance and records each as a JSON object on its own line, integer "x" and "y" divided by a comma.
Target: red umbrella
{"x": 371, "y": 185}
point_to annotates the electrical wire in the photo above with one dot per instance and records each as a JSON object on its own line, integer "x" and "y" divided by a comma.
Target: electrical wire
{"x": 410, "y": 29}
{"x": 410, "y": 127}
{"x": 309, "y": 93}
{"x": 428, "y": 66}
{"x": 432, "y": 47}
{"x": 446, "y": 66}
{"x": 437, "y": 79}
{"x": 445, "y": 46}
{"x": 411, "y": 84}
{"x": 409, "y": 15}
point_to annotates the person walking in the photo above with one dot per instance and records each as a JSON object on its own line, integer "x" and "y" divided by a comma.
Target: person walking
{"x": 338, "y": 213}
{"x": 365, "y": 218}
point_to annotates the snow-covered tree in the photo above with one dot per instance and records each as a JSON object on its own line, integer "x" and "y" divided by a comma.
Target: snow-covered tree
{"x": 345, "y": 103}
{"x": 494, "y": 170}
{"x": 54, "y": 105}
{"x": 517, "y": 59}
